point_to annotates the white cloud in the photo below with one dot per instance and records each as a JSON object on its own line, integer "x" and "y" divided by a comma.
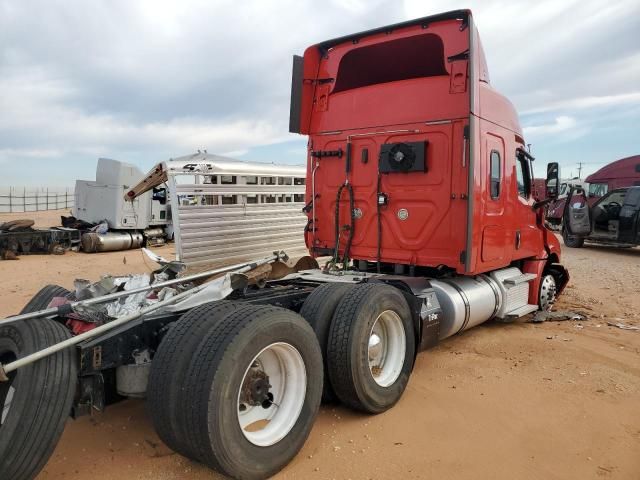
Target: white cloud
{"x": 13, "y": 154}
{"x": 560, "y": 124}
{"x": 127, "y": 78}
{"x": 588, "y": 102}
{"x": 154, "y": 77}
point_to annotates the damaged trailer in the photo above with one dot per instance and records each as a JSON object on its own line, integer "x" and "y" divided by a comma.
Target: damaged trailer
{"x": 420, "y": 191}
{"x": 225, "y": 210}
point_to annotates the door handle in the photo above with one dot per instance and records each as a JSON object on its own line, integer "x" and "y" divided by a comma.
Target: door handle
{"x": 518, "y": 239}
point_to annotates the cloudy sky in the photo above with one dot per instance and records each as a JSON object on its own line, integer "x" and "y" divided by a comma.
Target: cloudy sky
{"x": 145, "y": 80}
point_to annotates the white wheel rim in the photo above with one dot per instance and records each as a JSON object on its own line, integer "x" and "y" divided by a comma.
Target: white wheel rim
{"x": 387, "y": 348}
{"x": 287, "y": 377}
{"x": 547, "y": 292}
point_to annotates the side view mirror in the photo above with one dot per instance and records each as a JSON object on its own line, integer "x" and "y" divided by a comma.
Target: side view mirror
{"x": 552, "y": 183}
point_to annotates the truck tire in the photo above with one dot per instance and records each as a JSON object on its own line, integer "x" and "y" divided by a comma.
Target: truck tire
{"x": 571, "y": 241}
{"x": 261, "y": 364}
{"x": 42, "y": 299}
{"x": 37, "y": 399}
{"x": 166, "y": 379}
{"x": 371, "y": 347}
{"x": 318, "y": 310}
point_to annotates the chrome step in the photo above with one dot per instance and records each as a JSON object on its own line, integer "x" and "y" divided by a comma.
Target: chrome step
{"x": 518, "y": 279}
{"x": 522, "y": 311}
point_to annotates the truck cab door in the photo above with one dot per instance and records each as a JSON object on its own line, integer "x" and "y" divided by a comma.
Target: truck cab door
{"x": 577, "y": 215}
{"x": 629, "y": 229}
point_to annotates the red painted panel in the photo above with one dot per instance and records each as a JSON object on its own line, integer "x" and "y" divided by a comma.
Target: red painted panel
{"x": 419, "y": 222}
{"x": 395, "y": 102}
{"x": 493, "y": 238}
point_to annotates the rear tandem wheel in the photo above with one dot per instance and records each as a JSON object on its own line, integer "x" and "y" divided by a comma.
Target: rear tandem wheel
{"x": 37, "y": 399}
{"x": 371, "y": 347}
{"x": 170, "y": 363}
{"x": 251, "y": 392}
{"x": 318, "y": 310}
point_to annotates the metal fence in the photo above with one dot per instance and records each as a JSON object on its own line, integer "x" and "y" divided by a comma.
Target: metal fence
{"x": 15, "y": 199}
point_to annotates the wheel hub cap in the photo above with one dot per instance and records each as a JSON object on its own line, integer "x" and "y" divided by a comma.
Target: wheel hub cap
{"x": 548, "y": 292}
{"x": 272, "y": 394}
{"x": 255, "y": 389}
{"x": 386, "y": 348}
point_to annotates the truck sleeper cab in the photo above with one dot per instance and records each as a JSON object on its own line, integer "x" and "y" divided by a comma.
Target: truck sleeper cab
{"x": 415, "y": 163}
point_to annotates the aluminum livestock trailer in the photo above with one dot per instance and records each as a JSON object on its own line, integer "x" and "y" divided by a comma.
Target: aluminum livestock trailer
{"x": 418, "y": 189}
{"x": 226, "y": 210}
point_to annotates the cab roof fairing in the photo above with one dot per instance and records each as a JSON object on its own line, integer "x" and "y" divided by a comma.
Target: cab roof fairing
{"x": 310, "y": 64}
{"x": 464, "y": 15}
{"x": 487, "y": 102}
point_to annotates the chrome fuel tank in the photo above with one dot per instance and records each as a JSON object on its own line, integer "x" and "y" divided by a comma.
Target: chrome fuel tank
{"x": 466, "y": 302}
{"x": 111, "y": 241}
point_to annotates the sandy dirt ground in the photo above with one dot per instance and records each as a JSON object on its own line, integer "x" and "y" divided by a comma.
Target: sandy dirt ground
{"x": 555, "y": 400}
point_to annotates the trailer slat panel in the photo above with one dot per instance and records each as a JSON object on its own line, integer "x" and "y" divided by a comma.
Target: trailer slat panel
{"x": 209, "y": 231}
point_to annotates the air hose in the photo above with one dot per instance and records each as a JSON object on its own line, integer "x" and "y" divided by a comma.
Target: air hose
{"x": 336, "y": 253}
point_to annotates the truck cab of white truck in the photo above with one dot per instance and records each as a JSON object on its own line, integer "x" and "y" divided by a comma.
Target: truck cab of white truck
{"x": 102, "y": 199}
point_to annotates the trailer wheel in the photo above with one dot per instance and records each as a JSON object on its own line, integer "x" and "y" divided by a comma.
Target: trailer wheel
{"x": 318, "y": 310}
{"x": 254, "y": 387}
{"x": 37, "y": 399}
{"x": 571, "y": 241}
{"x": 166, "y": 380}
{"x": 42, "y": 299}
{"x": 371, "y": 347}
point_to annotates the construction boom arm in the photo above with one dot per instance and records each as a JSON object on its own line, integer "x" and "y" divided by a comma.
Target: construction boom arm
{"x": 157, "y": 176}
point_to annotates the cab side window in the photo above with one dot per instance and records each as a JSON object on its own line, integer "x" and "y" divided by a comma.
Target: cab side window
{"x": 523, "y": 176}
{"x": 495, "y": 174}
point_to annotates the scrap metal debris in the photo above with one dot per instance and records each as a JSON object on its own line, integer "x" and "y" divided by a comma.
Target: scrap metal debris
{"x": 623, "y": 326}
{"x": 86, "y": 317}
{"x": 543, "y": 316}
{"x": 18, "y": 237}
{"x": 155, "y": 257}
{"x": 17, "y": 225}
{"x": 132, "y": 303}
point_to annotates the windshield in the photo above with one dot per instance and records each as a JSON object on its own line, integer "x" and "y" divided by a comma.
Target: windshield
{"x": 598, "y": 189}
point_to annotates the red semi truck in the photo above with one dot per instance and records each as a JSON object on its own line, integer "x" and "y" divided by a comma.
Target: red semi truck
{"x": 419, "y": 191}
{"x": 622, "y": 173}
{"x": 619, "y": 174}
{"x": 415, "y": 162}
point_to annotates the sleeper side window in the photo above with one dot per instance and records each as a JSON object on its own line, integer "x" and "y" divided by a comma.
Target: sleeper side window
{"x": 495, "y": 174}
